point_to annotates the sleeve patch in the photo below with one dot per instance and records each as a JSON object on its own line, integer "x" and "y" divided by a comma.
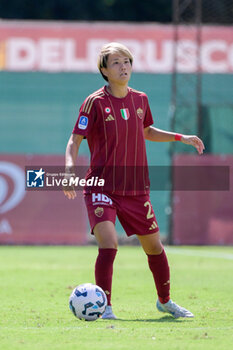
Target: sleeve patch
{"x": 83, "y": 122}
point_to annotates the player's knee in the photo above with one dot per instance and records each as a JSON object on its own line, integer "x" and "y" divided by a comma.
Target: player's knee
{"x": 108, "y": 244}
{"x": 109, "y": 241}
{"x": 106, "y": 236}
{"x": 151, "y": 244}
{"x": 154, "y": 250}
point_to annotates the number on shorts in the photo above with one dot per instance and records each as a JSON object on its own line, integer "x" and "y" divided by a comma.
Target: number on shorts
{"x": 149, "y": 215}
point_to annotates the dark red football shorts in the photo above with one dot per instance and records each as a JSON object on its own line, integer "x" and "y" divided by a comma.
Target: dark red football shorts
{"x": 135, "y": 213}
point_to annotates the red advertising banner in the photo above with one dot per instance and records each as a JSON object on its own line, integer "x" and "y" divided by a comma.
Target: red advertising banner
{"x": 38, "y": 217}
{"x": 203, "y": 217}
{"x": 59, "y": 46}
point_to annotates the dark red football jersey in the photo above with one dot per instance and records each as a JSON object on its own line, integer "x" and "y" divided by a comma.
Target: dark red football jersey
{"x": 114, "y": 128}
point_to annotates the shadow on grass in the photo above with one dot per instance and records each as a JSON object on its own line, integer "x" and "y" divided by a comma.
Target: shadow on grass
{"x": 162, "y": 319}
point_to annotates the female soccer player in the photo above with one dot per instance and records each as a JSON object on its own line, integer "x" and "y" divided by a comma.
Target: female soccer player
{"x": 116, "y": 120}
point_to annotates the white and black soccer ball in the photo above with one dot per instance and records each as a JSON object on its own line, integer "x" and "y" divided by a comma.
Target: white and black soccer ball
{"x": 88, "y": 302}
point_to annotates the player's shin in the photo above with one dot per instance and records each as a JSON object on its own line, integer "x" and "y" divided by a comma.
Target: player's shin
{"x": 160, "y": 269}
{"x": 104, "y": 270}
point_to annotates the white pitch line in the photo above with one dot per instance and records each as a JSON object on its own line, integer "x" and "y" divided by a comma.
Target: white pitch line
{"x": 204, "y": 254}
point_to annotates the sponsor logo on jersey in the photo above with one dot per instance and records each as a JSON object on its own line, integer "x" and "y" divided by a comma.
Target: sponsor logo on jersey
{"x": 109, "y": 118}
{"x": 100, "y": 198}
{"x": 125, "y": 113}
{"x": 99, "y": 212}
{"x": 83, "y": 122}
{"x": 107, "y": 110}
{"x": 140, "y": 113}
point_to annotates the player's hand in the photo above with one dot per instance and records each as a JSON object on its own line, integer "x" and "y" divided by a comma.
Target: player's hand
{"x": 193, "y": 141}
{"x": 69, "y": 193}
{"x": 69, "y": 190}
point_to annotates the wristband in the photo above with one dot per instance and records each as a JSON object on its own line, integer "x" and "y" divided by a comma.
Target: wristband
{"x": 178, "y": 137}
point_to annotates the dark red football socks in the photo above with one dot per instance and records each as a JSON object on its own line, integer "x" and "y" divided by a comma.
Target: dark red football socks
{"x": 160, "y": 269}
{"x": 104, "y": 270}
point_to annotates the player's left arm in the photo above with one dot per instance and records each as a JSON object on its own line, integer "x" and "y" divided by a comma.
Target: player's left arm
{"x": 157, "y": 135}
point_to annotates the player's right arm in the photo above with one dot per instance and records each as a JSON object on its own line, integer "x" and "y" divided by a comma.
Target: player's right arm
{"x": 72, "y": 149}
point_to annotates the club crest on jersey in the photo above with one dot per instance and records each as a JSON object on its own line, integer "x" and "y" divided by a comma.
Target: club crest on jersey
{"x": 99, "y": 212}
{"x": 140, "y": 113}
{"x": 83, "y": 122}
{"x": 107, "y": 110}
{"x": 125, "y": 113}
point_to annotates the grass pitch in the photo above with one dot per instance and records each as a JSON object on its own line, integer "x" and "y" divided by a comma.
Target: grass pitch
{"x": 36, "y": 283}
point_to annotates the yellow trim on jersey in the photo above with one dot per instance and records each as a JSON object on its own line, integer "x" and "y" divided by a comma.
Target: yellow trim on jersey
{"x": 137, "y": 91}
{"x": 89, "y": 101}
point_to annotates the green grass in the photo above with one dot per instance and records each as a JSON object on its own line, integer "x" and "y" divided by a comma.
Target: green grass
{"x": 36, "y": 283}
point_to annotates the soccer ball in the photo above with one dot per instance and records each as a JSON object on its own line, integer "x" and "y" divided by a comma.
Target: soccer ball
{"x": 88, "y": 302}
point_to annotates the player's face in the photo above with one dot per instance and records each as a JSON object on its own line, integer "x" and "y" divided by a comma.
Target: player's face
{"x": 118, "y": 69}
